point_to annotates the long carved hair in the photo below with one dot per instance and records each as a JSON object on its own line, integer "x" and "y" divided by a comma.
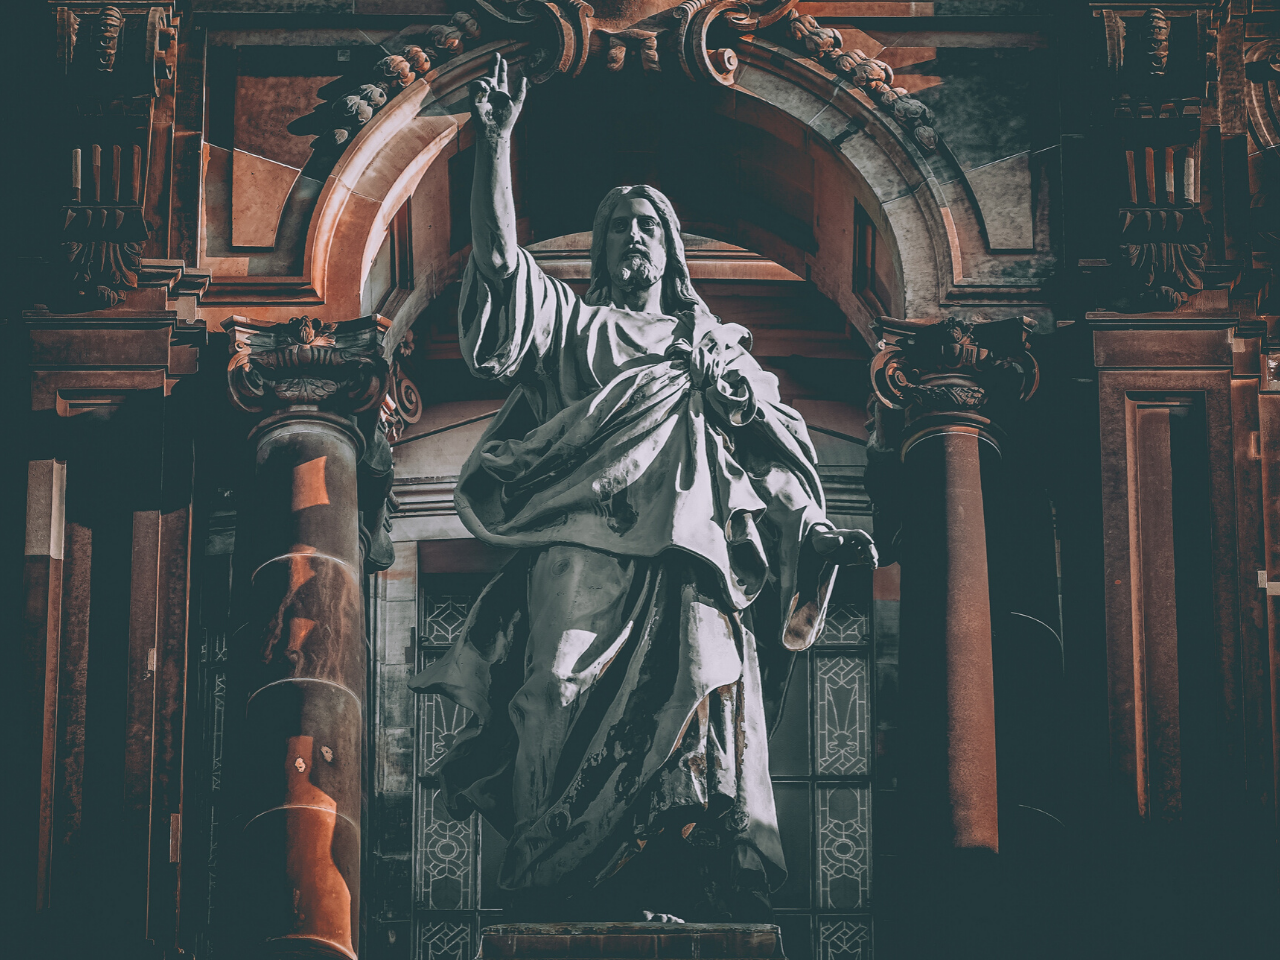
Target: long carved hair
{"x": 678, "y": 294}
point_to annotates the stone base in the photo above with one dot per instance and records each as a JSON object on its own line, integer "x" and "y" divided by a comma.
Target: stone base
{"x": 631, "y": 941}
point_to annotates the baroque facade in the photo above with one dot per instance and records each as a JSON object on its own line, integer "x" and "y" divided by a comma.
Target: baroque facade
{"x": 1009, "y": 259}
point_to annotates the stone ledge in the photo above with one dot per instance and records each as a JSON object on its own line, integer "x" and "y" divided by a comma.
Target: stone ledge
{"x": 631, "y": 941}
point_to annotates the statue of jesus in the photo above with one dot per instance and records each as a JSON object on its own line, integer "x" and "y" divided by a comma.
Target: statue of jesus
{"x": 672, "y": 555}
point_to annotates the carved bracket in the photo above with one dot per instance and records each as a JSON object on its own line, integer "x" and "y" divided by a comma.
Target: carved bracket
{"x": 112, "y": 60}
{"x": 403, "y": 402}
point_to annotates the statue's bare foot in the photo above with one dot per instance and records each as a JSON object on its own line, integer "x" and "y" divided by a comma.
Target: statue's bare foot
{"x": 652, "y": 917}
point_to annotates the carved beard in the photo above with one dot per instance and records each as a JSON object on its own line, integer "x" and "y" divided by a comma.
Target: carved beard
{"x": 637, "y": 272}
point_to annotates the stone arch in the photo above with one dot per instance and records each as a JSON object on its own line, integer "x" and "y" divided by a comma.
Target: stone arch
{"x": 858, "y": 153}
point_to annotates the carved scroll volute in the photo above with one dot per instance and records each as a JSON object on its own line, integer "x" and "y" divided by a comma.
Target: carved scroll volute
{"x": 68, "y": 29}
{"x": 328, "y": 366}
{"x": 559, "y": 53}
{"x": 953, "y": 366}
{"x": 566, "y": 27}
{"x": 694, "y": 19}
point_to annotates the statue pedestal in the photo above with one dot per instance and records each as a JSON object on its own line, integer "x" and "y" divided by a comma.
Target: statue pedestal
{"x": 630, "y": 941}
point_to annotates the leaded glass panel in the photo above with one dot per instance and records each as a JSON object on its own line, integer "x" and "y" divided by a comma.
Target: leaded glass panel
{"x": 844, "y": 847}
{"x": 445, "y": 941}
{"x": 843, "y": 716}
{"x": 446, "y": 853}
{"x": 844, "y": 939}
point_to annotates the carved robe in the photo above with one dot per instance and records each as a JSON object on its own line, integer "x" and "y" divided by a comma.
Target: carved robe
{"x": 661, "y": 528}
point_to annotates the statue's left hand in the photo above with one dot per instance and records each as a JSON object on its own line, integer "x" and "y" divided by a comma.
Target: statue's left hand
{"x": 845, "y": 547}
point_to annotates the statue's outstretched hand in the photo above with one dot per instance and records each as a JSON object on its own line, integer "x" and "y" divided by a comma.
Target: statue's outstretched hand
{"x": 492, "y": 104}
{"x": 845, "y": 547}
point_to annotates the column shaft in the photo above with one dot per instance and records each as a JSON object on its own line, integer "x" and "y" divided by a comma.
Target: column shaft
{"x": 971, "y": 732}
{"x": 305, "y": 653}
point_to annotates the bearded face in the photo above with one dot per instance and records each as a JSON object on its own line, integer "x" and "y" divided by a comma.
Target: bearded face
{"x": 635, "y": 245}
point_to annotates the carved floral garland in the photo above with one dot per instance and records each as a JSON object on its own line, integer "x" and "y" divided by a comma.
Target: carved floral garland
{"x": 395, "y": 72}
{"x": 825, "y": 45}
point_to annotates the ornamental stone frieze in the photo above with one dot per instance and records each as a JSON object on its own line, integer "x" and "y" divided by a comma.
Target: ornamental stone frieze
{"x": 694, "y": 38}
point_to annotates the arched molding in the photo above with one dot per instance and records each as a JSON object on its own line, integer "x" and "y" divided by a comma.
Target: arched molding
{"x": 878, "y": 164}
{"x": 891, "y": 178}
{"x": 379, "y": 171}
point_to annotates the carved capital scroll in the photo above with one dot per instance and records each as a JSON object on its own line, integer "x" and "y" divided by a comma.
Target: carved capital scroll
{"x": 336, "y": 367}
{"x": 953, "y": 365}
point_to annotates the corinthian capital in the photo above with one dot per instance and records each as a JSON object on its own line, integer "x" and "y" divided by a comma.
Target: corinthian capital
{"x": 951, "y": 365}
{"x": 337, "y": 367}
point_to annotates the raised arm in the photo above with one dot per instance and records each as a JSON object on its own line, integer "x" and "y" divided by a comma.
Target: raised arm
{"x": 493, "y": 212}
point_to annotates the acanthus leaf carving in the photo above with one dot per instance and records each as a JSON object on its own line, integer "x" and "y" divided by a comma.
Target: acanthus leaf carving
{"x": 306, "y": 361}
{"x": 953, "y": 364}
{"x": 1171, "y": 271}
{"x": 100, "y": 271}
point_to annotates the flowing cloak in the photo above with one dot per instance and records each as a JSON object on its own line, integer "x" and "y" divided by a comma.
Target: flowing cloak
{"x": 606, "y": 442}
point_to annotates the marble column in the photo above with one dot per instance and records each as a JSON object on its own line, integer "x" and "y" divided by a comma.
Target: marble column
{"x": 937, "y": 385}
{"x": 301, "y": 658}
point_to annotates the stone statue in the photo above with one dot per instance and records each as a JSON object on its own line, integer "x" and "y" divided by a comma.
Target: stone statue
{"x": 673, "y": 553}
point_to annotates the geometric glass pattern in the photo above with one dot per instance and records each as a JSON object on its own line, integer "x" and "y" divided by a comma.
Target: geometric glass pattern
{"x": 843, "y": 720}
{"x": 822, "y": 784}
{"x": 844, "y": 940}
{"x": 443, "y": 619}
{"x": 845, "y": 623}
{"x": 445, "y": 941}
{"x": 440, "y": 720}
{"x": 844, "y": 847}
{"x": 445, "y": 851}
